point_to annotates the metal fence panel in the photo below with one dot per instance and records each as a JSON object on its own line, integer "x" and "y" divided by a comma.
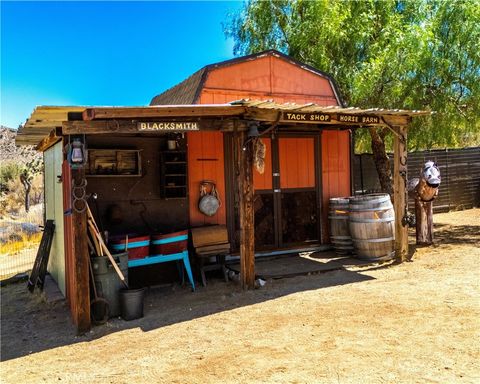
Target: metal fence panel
{"x": 460, "y": 171}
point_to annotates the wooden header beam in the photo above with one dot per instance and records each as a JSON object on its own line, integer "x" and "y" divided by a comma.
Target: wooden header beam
{"x": 98, "y": 127}
{"x": 325, "y": 118}
{"x": 162, "y": 112}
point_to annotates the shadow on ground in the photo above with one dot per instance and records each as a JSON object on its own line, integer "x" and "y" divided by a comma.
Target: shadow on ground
{"x": 464, "y": 234}
{"x": 31, "y": 325}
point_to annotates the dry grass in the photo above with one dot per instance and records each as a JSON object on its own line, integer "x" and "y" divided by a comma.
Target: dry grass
{"x": 26, "y": 241}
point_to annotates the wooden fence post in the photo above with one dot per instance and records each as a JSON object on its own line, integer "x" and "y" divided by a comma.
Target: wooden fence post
{"x": 81, "y": 289}
{"x": 244, "y": 160}
{"x": 399, "y": 191}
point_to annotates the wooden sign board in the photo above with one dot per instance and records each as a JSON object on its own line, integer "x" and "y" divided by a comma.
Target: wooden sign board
{"x": 358, "y": 119}
{"x": 306, "y": 117}
{"x": 173, "y": 126}
{"x": 331, "y": 118}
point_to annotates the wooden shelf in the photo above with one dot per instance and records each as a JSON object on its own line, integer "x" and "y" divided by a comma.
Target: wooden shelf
{"x": 174, "y": 174}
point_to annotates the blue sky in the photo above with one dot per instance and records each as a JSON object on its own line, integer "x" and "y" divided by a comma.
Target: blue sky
{"x": 104, "y": 53}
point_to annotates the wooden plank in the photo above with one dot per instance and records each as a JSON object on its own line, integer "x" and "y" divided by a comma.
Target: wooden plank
{"x": 244, "y": 165}
{"x": 271, "y": 115}
{"x": 399, "y": 192}
{"x": 37, "y": 276}
{"x": 162, "y": 111}
{"x": 130, "y": 127}
{"x": 48, "y": 141}
{"x": 81, "y": 290}
{"x": 213, "y": 249}
{"x": 209, "y": 235}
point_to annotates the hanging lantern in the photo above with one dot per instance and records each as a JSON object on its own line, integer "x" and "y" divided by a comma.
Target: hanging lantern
{"x": 77, "y": 154}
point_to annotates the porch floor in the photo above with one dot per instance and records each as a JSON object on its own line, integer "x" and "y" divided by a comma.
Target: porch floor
{"x": 296, "y": 264}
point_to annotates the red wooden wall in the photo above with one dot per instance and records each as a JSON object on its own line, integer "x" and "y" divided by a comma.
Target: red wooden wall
{"x": 297, "y": 162}
{"x": 274, "y": 78}
{"x": 205, "y": 162}
{"x": 335, "y": 169}
{"x": 268, "y": 77}
{"x": 264, "y": 181}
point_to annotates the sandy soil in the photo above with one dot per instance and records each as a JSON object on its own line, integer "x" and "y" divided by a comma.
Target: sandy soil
{"x": 417, "y": 322}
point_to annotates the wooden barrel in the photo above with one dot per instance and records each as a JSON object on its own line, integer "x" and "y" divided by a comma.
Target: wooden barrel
{"x": 372, "y": 226}
{"x": 339, "y": 229}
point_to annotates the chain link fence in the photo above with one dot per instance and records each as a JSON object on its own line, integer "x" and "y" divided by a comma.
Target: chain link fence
{"x": 20, "y": 235}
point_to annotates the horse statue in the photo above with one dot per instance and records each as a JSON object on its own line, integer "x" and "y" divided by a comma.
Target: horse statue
{"x": 424, "y": 190}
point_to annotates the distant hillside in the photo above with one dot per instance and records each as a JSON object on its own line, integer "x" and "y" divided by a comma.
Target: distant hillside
{"x": 10, "y": 152}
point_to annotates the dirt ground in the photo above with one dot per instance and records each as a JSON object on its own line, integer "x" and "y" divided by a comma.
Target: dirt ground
{"x": 418, "y": 322}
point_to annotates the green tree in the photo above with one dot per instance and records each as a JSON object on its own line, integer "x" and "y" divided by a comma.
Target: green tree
{"x": 419, "y": 54}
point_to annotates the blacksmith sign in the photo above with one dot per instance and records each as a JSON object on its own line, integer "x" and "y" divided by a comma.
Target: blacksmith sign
{"x": 168, "y": 126}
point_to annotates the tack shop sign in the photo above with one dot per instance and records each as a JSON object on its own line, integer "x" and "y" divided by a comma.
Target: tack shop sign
{"x": 330, "y": 118}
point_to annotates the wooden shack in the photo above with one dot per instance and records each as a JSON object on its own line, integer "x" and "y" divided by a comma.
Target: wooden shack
{"x": 146, "y": 165}
{"x": 303, "y": 168}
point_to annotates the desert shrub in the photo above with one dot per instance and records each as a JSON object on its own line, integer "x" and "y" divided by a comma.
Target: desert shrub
{"x": 14, "y": 200}
{"x": 8, "y": 172}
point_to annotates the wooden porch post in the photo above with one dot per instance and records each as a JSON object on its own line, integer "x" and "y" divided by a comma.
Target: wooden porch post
{"x": 80, "y": 293}
{"x": 244, "y": 160}
{"x": 399, "y": 191}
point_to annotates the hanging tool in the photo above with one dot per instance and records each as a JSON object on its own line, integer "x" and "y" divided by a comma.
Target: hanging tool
{"x": 95, "y": 233}
{"x": 97, "y": 302}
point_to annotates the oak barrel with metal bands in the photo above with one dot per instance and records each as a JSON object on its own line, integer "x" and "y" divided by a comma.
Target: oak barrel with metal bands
{"x": 372, "y": 226}
{"x": 339, "y": 228}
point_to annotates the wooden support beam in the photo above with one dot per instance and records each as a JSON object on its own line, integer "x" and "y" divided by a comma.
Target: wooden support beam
{"x": 399, "y": 192}
{"x": 244, "y": 164}
{"x": 48, "y": 141}
{"x": 162, "y": 111}
{"x": 98, "y": 127}
{"x": 81, "y": 288}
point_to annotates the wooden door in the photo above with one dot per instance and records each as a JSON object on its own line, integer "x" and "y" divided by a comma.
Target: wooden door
{"x": 297, "y": 191}
{"x": 287, "y": 194}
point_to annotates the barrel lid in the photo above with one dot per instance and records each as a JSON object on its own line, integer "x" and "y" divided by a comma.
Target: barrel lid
{"x": 373, "y": 197}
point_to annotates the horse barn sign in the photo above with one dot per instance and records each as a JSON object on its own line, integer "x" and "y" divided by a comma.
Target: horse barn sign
{"x": 360, "y": 119}
{"x": 272, "y": 164}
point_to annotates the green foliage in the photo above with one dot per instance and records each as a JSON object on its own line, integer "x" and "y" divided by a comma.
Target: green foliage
{"x": 8, "y": 171}
{"x": 11, "y": 171}
{"x": 420, "y": 54}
